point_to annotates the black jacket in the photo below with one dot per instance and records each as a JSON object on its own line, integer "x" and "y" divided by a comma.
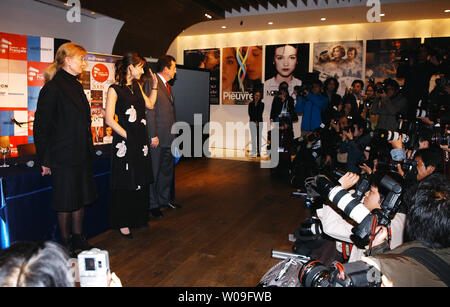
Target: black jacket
{"x": 62, "y": 125}
{"x": 256, "y": 112}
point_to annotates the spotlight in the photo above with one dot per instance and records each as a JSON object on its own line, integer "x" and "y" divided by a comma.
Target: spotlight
{"x": 208, "y": 16}
{"x": 323, "y": 19}
{"x": 270, "y": 23}
{"x": 224, "y": 27}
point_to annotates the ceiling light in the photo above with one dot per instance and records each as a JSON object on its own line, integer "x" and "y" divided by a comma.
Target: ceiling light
{"x": 323, "y": 19}
{"x": 270, "y": 23}
{"x": 447, "y": 11}
{"x": 208, "y": 16}
{"x": 224, "y": 27}
{"x": 382, "y": 15}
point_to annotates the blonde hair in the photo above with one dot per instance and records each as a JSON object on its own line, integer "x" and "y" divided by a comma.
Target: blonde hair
{"x": 65, "y": 50}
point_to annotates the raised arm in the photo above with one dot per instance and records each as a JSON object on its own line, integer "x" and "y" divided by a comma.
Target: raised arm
{"x": 150, "y": 100}
{"x": 111, "y": 100}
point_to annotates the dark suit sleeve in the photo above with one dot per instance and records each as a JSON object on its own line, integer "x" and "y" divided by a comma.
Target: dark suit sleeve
{"x": 44, "y": 123}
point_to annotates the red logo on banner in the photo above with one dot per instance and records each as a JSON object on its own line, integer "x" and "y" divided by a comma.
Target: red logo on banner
{"x": 13, "y": 47}
{"x": 35, "y": 73}
{"x": 100, "y": 73}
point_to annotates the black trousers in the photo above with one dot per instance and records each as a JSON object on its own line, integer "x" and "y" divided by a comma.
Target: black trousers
{"x": 163, "y": 172}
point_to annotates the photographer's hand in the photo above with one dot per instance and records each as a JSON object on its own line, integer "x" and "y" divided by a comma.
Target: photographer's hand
{"x": 365, "y": 168}
{"x": 348, "y": 180}
{"x": 114, "y": 281}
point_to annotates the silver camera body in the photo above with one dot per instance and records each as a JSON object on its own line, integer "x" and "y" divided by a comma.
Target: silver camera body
{"x": 93, "y": 267}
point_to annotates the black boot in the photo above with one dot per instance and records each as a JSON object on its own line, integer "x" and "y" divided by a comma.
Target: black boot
{"x": 79, "y": 242}
{"x": 67, "y": 244}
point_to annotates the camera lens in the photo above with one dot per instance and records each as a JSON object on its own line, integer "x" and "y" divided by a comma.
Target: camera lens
{"x": 314, "y": 274}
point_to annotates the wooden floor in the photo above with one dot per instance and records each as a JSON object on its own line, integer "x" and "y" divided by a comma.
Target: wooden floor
{"x": 233, "y": 214}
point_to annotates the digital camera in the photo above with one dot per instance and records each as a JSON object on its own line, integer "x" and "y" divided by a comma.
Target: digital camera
{"x": 93, "y": 266}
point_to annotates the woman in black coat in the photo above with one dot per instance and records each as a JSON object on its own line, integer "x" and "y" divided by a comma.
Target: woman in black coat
{"x": 62, "y": 135}
{"x": 255, "y": 112}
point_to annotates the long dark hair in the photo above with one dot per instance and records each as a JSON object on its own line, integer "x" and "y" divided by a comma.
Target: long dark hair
{"x": 130, "y": 58}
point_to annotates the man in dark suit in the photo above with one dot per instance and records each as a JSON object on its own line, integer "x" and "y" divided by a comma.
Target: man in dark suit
{"x": 159, "y": 123}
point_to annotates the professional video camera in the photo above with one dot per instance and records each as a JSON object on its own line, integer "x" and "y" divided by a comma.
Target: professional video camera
{"x": 93, "y": 266}
{"x": 321, "y": 186}
{"x": 353, "y": 274}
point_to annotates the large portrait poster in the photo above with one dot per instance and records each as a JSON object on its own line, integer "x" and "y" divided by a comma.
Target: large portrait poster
{"x": 341, "y": 60}
{"x": 241, "y": 74}
{"x": 96, "y": 79}
{"x": 284, "y": 63}
{"x": 439, "y": 47}
{"x": 206, "y": 59}
{"x": 383, "y": 57}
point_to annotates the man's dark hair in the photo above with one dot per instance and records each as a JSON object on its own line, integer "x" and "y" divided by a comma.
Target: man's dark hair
{"x": 431, "y": 156}
{"x": 328, "y": 80}
{"x": 428, "y": 216}
{"x": 358, "y": 81}
{"x": 164, "y": 61}
{"x": 393, "y": 83}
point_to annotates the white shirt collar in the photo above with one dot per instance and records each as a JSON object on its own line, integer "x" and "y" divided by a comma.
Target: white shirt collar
{"x": 162, "y": 79}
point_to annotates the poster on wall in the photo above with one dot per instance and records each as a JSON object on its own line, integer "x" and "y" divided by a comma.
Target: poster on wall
{"x": 23, "y": 60}
{"x": 241, "y": 74}
{"x": 341, "y": 60}
{"x": 439, "y": 47}
{"x": 284, "y": 63}
{"x": 206, "y": 59}
{"x": 96, "y": 80}
{"x": 383, "y": 57}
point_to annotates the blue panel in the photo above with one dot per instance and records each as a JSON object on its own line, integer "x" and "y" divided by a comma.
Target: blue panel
{"x": 33, "y": 95}
{"x": 34, "y": 48}
{"x": 6, "y": 125}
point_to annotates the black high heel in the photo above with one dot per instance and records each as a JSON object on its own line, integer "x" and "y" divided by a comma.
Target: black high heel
{"x": 127, "y": 236}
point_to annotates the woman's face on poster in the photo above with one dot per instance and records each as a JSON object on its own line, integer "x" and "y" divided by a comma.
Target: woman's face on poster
{"x": 212, "y": 58}
{"x": 254, "y": 64}
{"x": 337, "y": 53}
{"x": 285, "y": 60}
{"x": 229, "y": 67}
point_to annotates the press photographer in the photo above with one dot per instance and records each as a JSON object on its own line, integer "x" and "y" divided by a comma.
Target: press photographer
{"x": 310, "y": 105}
{"x": 422, "y": 262}
{"x": 381, "y": 203}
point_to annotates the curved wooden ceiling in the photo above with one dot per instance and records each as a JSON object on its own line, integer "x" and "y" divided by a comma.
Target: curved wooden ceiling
{"x": 150, "y": 26}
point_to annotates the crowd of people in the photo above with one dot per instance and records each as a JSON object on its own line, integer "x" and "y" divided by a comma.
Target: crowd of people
{"x": 376, "y": 130}
{"x": 371, "y": 133}
{"x": 140, "y": 112}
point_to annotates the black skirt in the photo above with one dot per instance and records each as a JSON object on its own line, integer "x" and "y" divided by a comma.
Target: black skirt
{"x": 73, "y": 187}
{"x": 129, "y": 208}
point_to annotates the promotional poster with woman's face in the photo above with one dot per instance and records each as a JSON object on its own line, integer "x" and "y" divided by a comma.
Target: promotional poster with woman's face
{"x": 383, "y": 57}
{"x": 206, "y": 59}
{"x": 241, "y": 74}
{"x": 341, "y": 60}
{"x": 285, "y": 63}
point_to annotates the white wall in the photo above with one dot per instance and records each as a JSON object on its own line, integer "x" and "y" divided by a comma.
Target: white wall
{"x": 366, "y": 31}
{"x": 28, "y": 17}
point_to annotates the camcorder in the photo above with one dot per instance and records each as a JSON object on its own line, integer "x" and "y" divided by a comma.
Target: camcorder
{"x": 321, "y": 187}
{"x": 93, "y": 268}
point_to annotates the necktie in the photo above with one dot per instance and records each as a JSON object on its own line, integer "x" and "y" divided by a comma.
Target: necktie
{"x": 168, "y": 88}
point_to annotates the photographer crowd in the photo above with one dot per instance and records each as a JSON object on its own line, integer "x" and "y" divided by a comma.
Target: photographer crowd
{"x": 373, "y": 169}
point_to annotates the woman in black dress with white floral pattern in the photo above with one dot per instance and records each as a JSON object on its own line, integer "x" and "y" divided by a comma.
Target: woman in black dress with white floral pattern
{"x": 131, "y": 167}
